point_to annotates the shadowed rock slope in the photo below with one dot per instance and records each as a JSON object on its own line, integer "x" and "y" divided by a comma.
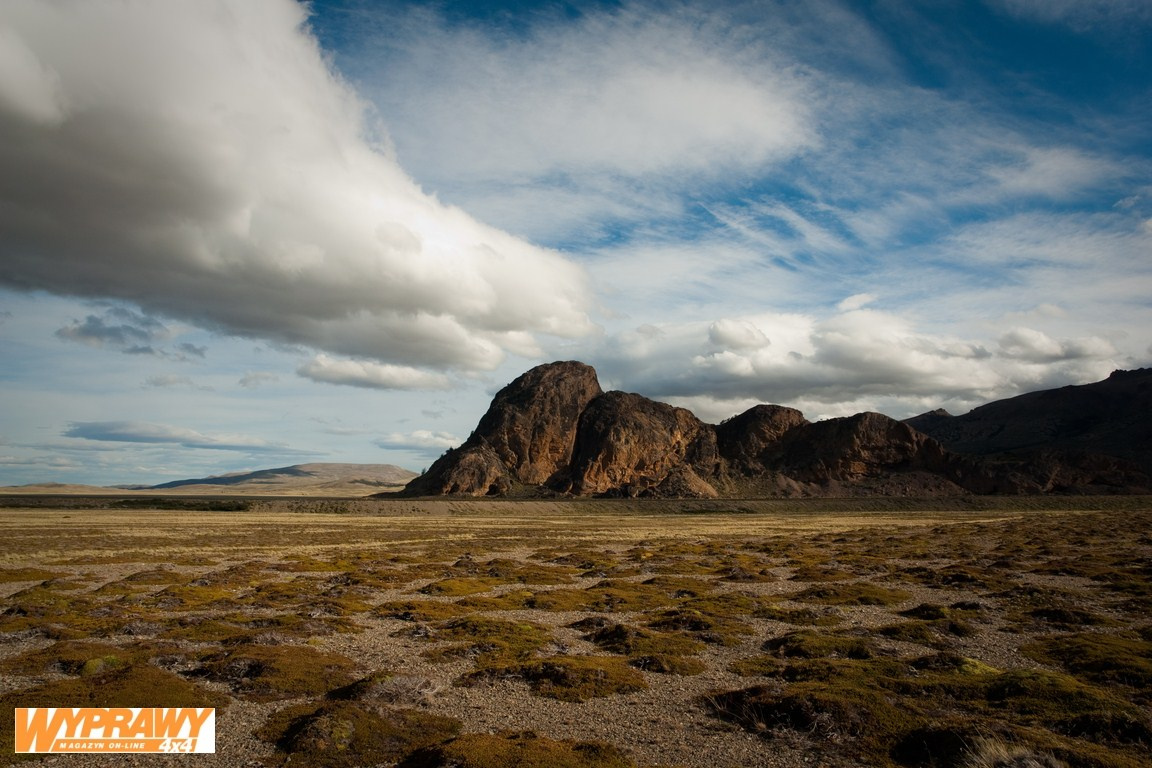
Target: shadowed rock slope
{"x": 554, "y": 431}
{"x": 1092, "y": 434}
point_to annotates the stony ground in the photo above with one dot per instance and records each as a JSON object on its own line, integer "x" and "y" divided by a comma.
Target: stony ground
{"x": 594, "y": 634}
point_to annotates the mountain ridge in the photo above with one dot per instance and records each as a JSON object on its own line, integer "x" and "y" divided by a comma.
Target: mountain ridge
{"x": 553, "y": 431}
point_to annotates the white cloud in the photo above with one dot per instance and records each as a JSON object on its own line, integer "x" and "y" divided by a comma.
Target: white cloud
{"x": 577, "y": 124}
{"x": 360, "y": 373}
{"x": 1037, "y": 346}
{"x": 166, "y": 434}
{"x": 421, "y": 440}
{"x": 737, "y": 334}
{"x": 1054, "y": 172}
{"x": 629, "y": 92}
{"x": 209, "y": 166}
{"x": 845, "y": 362}
{"x": 856, "y": 301}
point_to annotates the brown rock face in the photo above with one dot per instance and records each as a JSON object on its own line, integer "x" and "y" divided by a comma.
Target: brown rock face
{"x": 853, "y": 448}
{"x": 526, "y": 437}
{"x": 629, "y": 445}
{"x": 470, "y": 470}
{"x": 531, "y": 423}
{"x": 747, "y": 441}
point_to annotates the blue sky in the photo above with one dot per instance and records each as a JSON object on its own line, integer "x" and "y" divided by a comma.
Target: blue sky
{"x": 236, "y": 235}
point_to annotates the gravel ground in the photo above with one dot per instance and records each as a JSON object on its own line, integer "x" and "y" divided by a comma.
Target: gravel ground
{"x": 664, "y": 725}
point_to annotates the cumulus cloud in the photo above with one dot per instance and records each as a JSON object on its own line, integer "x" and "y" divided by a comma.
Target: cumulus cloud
{"x": 360, "y": 373}
{"x": 1037, "y": 346}
{"x": 736, "y": 334}
{"x": 201, "y": 160}
{"x": 848, "y": 361}
{"x": 165, "y": 434}
{"x": 422, "y": 440}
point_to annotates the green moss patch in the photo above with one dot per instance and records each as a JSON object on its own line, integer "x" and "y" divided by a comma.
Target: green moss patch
{"x": 344, "y": 734}
{"x": 855, "y": 593}
{"x": 661, "y": 652}
{"x": 8, "y": 575}
{"x": 458, "y": 586}
{"x": 812, "y": 645}
{"x": 493, "y": 639}
{"x": 420, "y": 610}
{"x": 939, "y": 633}
{"x": 862, "y": 722}
{"x": 1106, "y": 659}
{"x": 74, "y": 657}
{"x": 57, "y": 611}
{"x": 568, "y": 678}
{"x": 517, "y": 750}
{"x": 272, "y": 672}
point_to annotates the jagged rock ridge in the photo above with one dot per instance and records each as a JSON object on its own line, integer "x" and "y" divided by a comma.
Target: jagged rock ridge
{"x": 554, "y": 431}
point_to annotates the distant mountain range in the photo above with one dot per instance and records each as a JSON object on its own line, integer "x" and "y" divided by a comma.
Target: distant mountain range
{"x": 319, "y": 479}
{"x": 553, "y": 431}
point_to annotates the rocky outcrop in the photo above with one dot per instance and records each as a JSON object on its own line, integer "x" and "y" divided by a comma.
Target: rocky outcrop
{"x": 748, "y": 441}
{"x": 629, "y": 445}
{"x": 853, "y": 448}
{"x": 525, "y": 438}
{"x": 531, "y": 423}
{"x": 553, "y": 431}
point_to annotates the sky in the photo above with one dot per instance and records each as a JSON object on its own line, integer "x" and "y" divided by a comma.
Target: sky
{"x": 240, "y": 234}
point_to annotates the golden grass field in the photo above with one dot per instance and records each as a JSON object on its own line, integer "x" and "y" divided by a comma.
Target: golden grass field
{"x": 363, "y": 632}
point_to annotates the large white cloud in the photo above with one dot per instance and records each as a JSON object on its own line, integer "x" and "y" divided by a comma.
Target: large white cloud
{"x": 202, "y": 160}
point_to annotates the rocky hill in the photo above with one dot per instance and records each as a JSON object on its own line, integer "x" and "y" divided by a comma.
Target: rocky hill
{"x": 1105, "y": 425}
{"x": 554, "y": 431}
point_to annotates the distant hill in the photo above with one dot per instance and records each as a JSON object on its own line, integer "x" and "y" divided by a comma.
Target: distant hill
{"x": 319, "y": 479}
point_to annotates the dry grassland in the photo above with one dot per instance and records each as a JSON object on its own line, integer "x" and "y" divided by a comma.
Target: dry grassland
{"x": 937, "y": 633}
